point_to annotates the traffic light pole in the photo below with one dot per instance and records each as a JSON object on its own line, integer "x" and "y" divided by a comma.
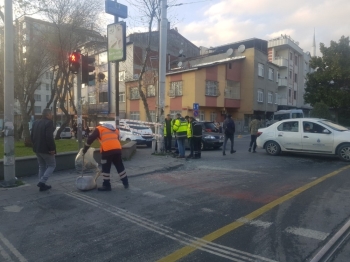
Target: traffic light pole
{"x": 9, "y": 146}
{"x": 79, "y": 111}
{"x": 116, "y": 86}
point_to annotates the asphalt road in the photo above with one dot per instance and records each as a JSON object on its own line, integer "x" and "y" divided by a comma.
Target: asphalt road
{"x": 238, "y": 207}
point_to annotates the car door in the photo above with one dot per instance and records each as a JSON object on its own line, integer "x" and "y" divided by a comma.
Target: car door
{"x": 289, "y": 135}
{"x": 317, "y": 138}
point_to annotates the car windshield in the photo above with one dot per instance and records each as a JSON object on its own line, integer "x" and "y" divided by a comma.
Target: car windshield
{"x": 139, "y": 127}
{"x": 334, "y": 126}
{"x": 210, "y": 126}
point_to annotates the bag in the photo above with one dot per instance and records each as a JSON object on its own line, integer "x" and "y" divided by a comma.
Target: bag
{"x": 85, "y": 183}
{"x": 86, "y": 162}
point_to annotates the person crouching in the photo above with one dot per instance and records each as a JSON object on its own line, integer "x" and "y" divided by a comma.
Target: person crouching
{"x": 111, "y": 152}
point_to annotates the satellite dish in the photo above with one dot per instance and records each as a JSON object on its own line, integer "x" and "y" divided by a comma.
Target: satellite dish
{"x": 229, "y": 52}
{"x": 179, "y": 64}
{"x": 241, "y": 48}
{"x": 181, "y": 51}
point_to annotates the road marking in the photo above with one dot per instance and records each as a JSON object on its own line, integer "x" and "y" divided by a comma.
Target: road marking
{"x": 181, "y": 202}
{"x": 304, "y": 232}
{"x": 152, "y": 194}
{"x": 232, "y": 170}
{"x": 197, "y": 243}
{"x": 236, "y": 224}
{"x": 12, "y": 249}
{"x": 257, "y": 223}
{"x": 14, "y": 209}
{"x": 4, "y": 254}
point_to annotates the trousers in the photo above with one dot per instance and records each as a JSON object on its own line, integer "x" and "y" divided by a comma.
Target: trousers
{"x": 47, "y": 164}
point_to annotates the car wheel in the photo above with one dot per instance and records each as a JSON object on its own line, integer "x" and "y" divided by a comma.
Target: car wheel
{"x": 344, "y": 152}
{"x": 128, "y": 139}
{"x": 272, "y": 148}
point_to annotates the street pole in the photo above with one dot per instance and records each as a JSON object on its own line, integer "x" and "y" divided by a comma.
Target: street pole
{"x": 79, "y": 113}
{"x": 162, "y": 72}
{"x": 116, "y": 86}
{"x": 9, "y": 146}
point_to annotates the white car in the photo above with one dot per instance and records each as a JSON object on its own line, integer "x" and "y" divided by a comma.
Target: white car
{"x": 66, "y": 132}
{"x": 306, "y": 135}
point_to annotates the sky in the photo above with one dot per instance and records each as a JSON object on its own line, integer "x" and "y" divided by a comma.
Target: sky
{"x": 217, "y": 22}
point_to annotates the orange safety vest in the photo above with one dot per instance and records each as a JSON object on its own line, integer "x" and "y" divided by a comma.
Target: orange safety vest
{"x": 109, "y": 139}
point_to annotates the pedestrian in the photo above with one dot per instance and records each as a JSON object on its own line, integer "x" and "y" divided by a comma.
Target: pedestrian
{"x": 180, "y": 128}
{"x": 190, "y": 136}
{"x": 44, "y": 147}
{"x": 111, "y": 152}
{"x": 229, "y": 132}
{"x": 168, "y": 133}
{"x": 196, "y": 137}
{"x": 254, "y": 125}
{"x": 75, "y": 130}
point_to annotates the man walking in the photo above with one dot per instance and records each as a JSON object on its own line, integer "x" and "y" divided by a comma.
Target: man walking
{"x": 44, "y": 147}
{"x": 168, "y": 133}
{"x": 180, "y": 128}
{"x": 254, "y": 125}
{"x": 229, "y": 132}
{"x": 111, "y": 152}
{"x": 196, "y": 137}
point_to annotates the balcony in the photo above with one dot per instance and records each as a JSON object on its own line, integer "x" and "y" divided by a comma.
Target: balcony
{"x": 281, "y": 62}
{"x": 95, "y": 108}
{"x": 282, "y": 82}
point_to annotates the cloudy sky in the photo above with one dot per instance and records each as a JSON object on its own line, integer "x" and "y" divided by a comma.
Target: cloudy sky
{"x": 216, "y": 22}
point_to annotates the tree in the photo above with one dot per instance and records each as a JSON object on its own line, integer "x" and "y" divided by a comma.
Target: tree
{"x": 321, "y": 110}
{"x": 330, "y": 82}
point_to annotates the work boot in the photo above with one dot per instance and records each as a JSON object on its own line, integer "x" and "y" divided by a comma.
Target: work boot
{"x": 125, "y": 182}
{"x": 43, "y": 186}
{"x": 233, "y": 151}
{"x": 106, "y": 186}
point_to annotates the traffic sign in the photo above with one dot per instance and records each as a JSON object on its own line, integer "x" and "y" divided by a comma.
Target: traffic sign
{"x": 195, "y": 106}
{"x": 195, "y": 113}
{"x": 116, "y": 9}
{"x": 116, "y": 40}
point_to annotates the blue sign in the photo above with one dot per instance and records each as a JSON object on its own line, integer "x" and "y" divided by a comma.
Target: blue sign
{"x": 195, "y": 113}
{"x": 116, "y": 9}
{"x": 195, "y": 106}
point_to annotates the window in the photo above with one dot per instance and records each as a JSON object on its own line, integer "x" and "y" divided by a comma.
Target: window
{"x": 153, "y": 115}
{"x": 270, "y": 74}
{"x": 233, "y": 90}
{"x": 310, "y": 127}
{"x": 122, "y": 97}
{"x": 47, "y": 98}
{"x": 295, "y": 78}
{"x": 295, "y": 95}
{"x": 103, "y": 97}
{"x": 213, "y": 116}
{"x": 296, "y": 60}
{"x": 47, "y": 87}
{"x": 134, "y": 93}
{"x": 260, "y": 96}
{"x": 269, "y": 98}
{"x": 291, "y": 56}
{"x": 92, "y": 98}
{"x": 135, "y": 115}
{"x": 290, "y": 126}
{"x": 277, "y": 76}
{"x": 276, "y": 98}
{"x": 51, "y": 75}
{"x": 151, "y": 91}
{"x": 37, "y": 109}
{"x": 201, "y": 115}
{"x": 290, "y": 95}
{"x": 229, "y": 66}
{"x": 37, "y": 97}
{"x": 122, "y": 76}
{"x": 173, "y": 114}
{"x": 212, "y": 88}
{"x": 175, "y": 88}
{"x": 290, "y": 74}
{"x": 260, "y": 70}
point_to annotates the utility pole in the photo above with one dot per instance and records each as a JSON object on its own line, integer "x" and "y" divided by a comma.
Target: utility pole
{"x": 79, "y": 111}
{"x": 9, "y": 146}
{"x": 116, "y": 20}
{"x": 162, "y": 72}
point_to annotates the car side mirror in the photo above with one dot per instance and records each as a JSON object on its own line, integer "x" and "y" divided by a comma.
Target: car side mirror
{"x": 326, "y": 131}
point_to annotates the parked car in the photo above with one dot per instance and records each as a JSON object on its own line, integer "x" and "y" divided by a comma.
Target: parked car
{"x": 134, "y": 133}
{"x": 66, "y": 132}
{"x": 211, "y": 138}
{"x": 306, "y": 135}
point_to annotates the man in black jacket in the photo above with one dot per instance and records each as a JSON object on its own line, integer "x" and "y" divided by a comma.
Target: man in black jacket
{"x": 229, "y": 131}
{"x": 44, "y": 147}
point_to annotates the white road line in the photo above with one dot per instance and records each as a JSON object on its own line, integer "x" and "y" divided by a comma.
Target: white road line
{"x": 180, "y": 202}
{"x": 152, "y": 194}
{"x": 208, "y": 210}
{"x": 257, "y": 223}
{"x": 4, "y": 254}
{"x": 12, "y": 249}
{"x": 232, "y": 170}
{"x": 307, "y": 233}
{"x": 213, "y": 248}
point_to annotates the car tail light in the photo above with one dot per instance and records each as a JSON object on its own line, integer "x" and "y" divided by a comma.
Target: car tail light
{"x": 259, "y": 133}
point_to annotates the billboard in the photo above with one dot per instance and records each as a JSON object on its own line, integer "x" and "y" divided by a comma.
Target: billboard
{"x": 116, "y": 38}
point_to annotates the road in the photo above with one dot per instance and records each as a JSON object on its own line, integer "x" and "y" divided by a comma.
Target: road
{"x": 238, "y": 207}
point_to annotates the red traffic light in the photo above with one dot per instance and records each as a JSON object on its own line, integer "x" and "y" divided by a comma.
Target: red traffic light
{"x": 74, "y": 57}
{"x": 74, "y": 62}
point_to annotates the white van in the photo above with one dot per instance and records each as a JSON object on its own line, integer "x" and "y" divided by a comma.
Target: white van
{"x": 287, "y": 114}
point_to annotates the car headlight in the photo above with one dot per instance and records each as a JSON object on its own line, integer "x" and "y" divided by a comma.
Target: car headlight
{"x": 136, "y": 134}
{"x": 209, "y": 137}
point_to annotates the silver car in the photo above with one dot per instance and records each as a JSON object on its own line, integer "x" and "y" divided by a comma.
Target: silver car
{"x": 306, "y": 135}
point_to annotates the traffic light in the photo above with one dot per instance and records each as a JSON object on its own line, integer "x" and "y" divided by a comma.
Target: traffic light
{"x": 87, "y": 67}
{"x": 74, "y": 62}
